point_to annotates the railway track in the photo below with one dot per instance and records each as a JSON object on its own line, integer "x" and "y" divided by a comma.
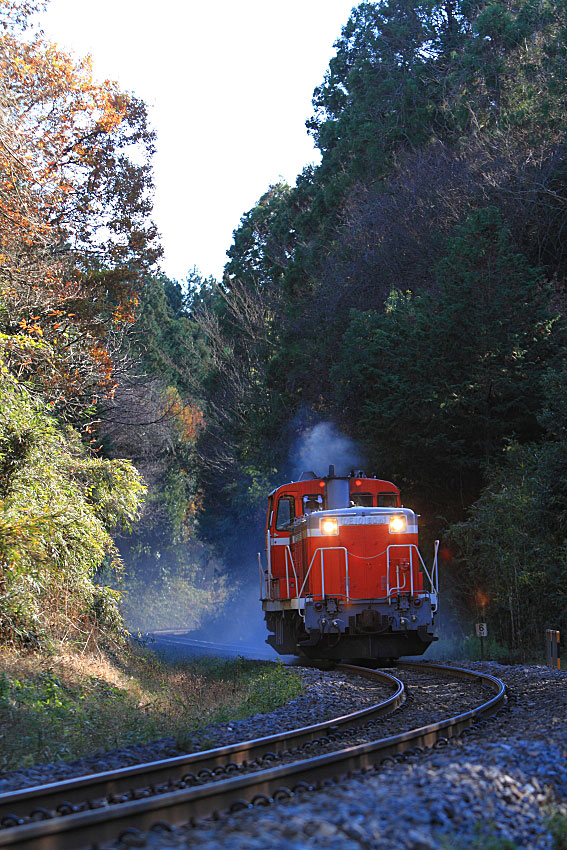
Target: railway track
{"x": 92, "y": 810}
{"x": 181, "y": 639}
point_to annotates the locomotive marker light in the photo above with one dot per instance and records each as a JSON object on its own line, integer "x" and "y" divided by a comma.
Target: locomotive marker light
{"x": 398, "y": 524}
{"x": 330, "y": 525}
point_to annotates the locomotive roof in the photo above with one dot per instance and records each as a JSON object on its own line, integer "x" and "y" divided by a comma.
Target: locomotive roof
{"x": 303, "y": 485}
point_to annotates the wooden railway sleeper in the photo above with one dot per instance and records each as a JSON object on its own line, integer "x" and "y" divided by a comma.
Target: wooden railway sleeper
{"x": 161, "y": 826}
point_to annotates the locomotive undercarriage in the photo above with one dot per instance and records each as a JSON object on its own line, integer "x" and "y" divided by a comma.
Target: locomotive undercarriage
{"x": 366, "y": 629}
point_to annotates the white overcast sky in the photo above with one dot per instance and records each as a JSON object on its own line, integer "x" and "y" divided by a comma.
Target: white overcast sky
{"x": 229, "y": 84}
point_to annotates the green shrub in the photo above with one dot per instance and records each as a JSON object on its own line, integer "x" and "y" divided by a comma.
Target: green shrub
{"x": 468, "y": 647}
{"x": 58, "y": 505}
{"x": 558, "y": 828}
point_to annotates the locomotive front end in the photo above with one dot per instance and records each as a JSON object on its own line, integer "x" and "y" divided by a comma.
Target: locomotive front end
{"x": 345, "y": 577}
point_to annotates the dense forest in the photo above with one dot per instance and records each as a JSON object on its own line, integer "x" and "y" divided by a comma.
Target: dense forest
{"x": 409, "y": 291}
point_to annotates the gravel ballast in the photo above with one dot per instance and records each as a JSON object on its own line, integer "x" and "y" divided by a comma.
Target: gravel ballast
{"x": 497, "y": 784}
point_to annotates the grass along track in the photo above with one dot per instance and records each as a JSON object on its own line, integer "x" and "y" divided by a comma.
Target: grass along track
{"x": 63, "y": 706}
{"x": 20, "y": 804}
{"x": 157, "y": 803}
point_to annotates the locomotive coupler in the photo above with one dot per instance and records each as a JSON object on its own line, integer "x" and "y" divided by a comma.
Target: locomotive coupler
{"x": 331, "y": 605}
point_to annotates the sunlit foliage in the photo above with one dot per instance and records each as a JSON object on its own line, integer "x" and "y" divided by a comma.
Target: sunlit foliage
{"x": 58, "y": 506}
{"x": 75, "y": 196}
{"x": 75, "y": 242}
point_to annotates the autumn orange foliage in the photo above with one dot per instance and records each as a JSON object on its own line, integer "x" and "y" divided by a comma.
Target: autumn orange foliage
{"x": 186, "y": 417}
{"x": 75, "y": 234}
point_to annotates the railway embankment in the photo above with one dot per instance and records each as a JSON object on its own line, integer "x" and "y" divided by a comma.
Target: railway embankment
{"x": 66, "y": 713}
{"x": 238, "y": 692}
{"x": 502, "y": 786}
{"x": 496, "y": 786}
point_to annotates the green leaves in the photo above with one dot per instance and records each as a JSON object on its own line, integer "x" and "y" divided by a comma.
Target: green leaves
{"x": 58, "y": 506}
{"x": 440, "y": 381}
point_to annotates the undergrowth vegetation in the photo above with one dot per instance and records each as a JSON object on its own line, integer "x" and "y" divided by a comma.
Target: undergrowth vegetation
{"x": 469, "y": 648}
{"x": 58, "y": 505}
{"x": 70, "y": 704}
{"x": 558, "y": 829}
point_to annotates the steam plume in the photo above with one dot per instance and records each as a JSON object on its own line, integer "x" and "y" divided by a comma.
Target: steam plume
{"x": 322, "y": 445}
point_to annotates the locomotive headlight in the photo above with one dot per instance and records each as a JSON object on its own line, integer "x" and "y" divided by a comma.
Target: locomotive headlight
{"x": 330, "y": 525}
{"x": 398, "y": 524}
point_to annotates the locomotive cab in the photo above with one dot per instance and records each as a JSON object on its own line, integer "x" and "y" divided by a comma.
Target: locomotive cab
{"x": 344, "y": 577}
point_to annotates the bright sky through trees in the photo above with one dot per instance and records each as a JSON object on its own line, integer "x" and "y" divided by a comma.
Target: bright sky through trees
{"x": 229, "y": 85}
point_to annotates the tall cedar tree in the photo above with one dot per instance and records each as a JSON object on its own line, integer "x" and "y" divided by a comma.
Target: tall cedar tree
{"x": 440, "y": 382}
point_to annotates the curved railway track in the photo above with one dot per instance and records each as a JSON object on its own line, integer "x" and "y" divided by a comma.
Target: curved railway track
{"x": 95, "y": 809}
{"x": 182, "y": 640}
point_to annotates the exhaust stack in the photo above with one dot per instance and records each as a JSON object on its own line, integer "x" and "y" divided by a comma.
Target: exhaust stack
{"x": 338, "y": 491}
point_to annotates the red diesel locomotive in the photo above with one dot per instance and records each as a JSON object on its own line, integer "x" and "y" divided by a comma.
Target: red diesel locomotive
{"x": 345, "y": 578}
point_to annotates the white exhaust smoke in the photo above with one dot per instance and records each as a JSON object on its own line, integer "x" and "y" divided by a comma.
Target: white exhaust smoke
{"x": 322, "y": 445}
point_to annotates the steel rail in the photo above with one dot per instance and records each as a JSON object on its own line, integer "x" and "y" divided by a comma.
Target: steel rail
{"x": 113, "y": 783}
{"x": 262, "y": 787}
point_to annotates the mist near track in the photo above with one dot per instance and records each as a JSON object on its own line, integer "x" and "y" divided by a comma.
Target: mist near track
{"x": 242, "y": 622}
{"x": 236, "y": 616}
{"x": 241, "y": 619}
{"x": 321, "y": 445}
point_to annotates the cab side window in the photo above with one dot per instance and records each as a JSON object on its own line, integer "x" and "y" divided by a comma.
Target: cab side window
{"x": 286, "y": 512}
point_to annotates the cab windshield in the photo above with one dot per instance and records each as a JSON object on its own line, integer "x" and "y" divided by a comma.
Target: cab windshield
{"x": 312, "y": 504}
{"x": 387, "y": 500}
{"x": 361, "y": 500}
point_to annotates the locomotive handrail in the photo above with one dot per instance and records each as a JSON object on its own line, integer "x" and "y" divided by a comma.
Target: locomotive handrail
{"x": 262, "y": 578}
{"x": 288, "y": 552}
{"x": 324, "y": 549}
{"x": 431, "y": 576}
{"x": 266, "y": 580}
{"x": 390, "y": 592}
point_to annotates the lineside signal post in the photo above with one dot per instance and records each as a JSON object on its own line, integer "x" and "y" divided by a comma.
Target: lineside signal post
{"x": 481, "y": 632}
{"x": 552, "y": 649}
